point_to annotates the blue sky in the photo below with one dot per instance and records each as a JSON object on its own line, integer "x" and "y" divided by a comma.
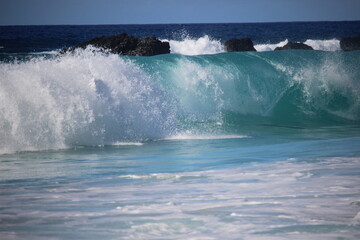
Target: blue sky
{"x": 42, "y": 12}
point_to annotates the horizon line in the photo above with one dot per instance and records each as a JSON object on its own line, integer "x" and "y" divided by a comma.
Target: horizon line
{"x": 95, "y": 24}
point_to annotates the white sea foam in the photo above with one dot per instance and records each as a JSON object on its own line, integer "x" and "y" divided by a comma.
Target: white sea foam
{"x": 52, "y": 52}
{"x": 190, "y": 46}
{"x": 323, "y": 45}
{"x": 162, "y": 176}
{"x": 269, "y": 47}
{"x": 207, "y": 45}
{"x": 220, "y": 202}
{"x": 127, "y": 144}
{"x": 189, "y": 136}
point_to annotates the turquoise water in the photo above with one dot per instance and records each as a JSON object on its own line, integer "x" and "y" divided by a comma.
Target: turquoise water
{"x": 261, "y": 145}
{"x": 259, "y": 187}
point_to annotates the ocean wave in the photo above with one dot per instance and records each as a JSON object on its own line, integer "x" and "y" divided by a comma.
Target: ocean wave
{"x": 94, "y": 98}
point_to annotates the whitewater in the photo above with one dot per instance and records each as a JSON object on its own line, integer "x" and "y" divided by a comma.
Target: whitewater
{"x": 207, "y": 45}
{"x": 196, "y": 144}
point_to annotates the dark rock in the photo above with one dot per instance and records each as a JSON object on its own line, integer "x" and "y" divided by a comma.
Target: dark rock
{"x": 239, "y": 45}
{"x": 128, "y": 45}
{"x": 119, "y": 44}
{"x": 150, "y": 46}
{"x": 350, "y": 43}
{"x": 294, "y": 45}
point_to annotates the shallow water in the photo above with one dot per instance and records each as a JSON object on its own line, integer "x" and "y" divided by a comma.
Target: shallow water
{"x": 236, "y": 188}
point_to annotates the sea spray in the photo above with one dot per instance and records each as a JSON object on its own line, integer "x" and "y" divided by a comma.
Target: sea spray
{"x": 207, "y": 45}
{"x": 269, "y": 46}
{"x": 330, "y": 45}
{"x": 86, "y": 98}
{"x": 191, "y": 46}
{"x": 324, "y": 45}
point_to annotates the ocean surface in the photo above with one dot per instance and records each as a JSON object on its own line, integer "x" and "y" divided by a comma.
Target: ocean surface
{"x": 195, "y": 144}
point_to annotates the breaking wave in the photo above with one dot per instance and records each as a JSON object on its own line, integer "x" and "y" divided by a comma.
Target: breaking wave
{"x": 94, "y": 98}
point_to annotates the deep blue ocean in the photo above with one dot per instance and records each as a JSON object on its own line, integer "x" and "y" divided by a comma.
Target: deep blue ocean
{"x": 195, "y": 144}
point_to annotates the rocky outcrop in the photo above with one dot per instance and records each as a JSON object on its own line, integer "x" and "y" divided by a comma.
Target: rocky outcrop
{"x": 294, "y": 45}
{"x": 150, "y": 46}
{"x": 239, "y": 45}
{"x": 128, "y": 45}
{"x": 120, "y": 44}
{"x": 350, "y": 43}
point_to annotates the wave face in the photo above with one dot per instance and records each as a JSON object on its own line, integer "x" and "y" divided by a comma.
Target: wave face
{"x": 92, "y": 98}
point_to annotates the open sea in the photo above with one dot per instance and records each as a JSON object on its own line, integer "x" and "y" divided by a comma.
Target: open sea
{"x": 196, "y": 144}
